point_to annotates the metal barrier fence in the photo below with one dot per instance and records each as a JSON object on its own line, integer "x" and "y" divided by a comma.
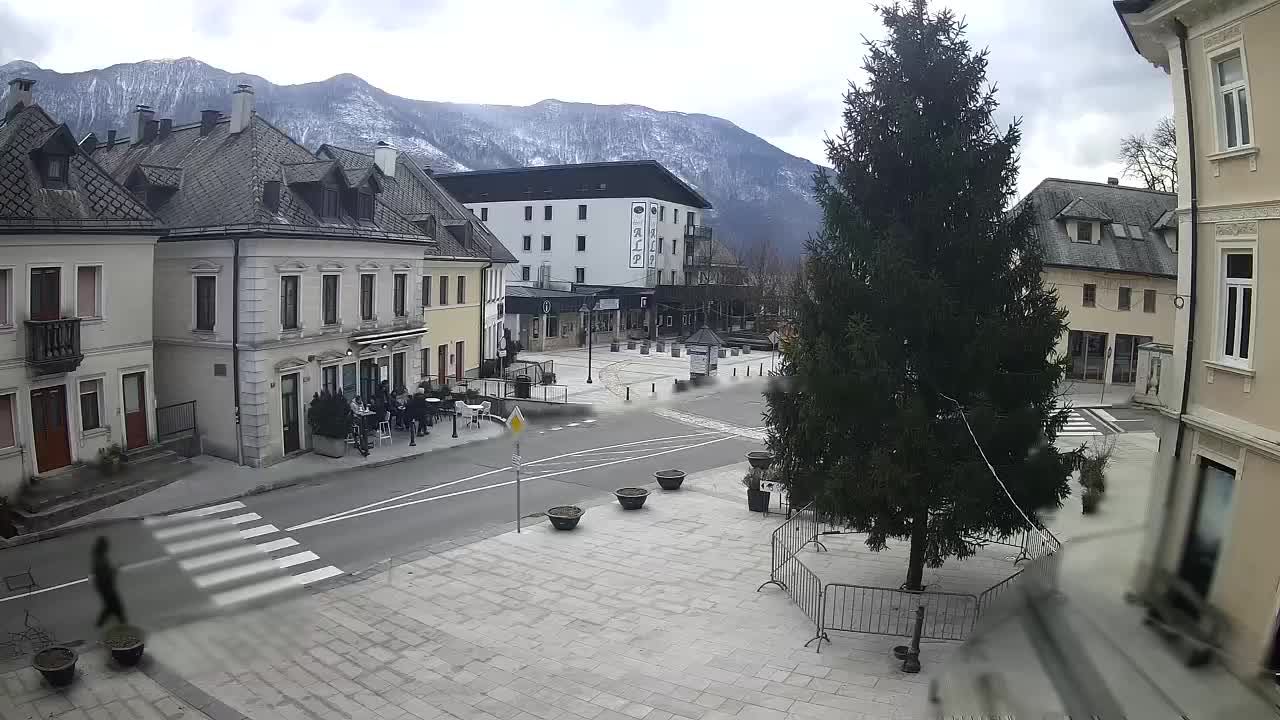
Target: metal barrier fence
{"x": 177, "y": 421}
{"x": 874, "y": 610}
{"x": 508, "y": 389}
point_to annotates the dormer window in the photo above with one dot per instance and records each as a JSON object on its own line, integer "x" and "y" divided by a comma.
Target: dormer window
{"x": 1084, "y": 232}
{"x": 55, "y": 171}
{"x": 329, "y": 201}
{"x": 364, "y": 205}
{"x": 271, "y": 195}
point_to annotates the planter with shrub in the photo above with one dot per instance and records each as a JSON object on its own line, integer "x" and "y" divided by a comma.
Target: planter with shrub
{"x": 1093, "y": 464}
{"x": 330, "y": 418}
{"x": 760, "y": 459}
{"x": 1089, "y": 500}
{"x": 631, "y": 498}
{"x": 126, "y": 643}
{"x": 631, "y": 344}
{"x": 565, "y": 517}
{"x": 111, "y": 459}
{"x": 614, "y": 346}
{"x": 57, "y": 664}
{"x": 669, "y": 479}
{"x": 757, "y": 499}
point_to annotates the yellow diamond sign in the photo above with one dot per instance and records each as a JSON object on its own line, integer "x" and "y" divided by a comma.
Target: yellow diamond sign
{"x": 516, "y": 422}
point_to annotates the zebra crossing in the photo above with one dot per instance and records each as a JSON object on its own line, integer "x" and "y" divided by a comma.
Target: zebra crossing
{"x": 234, "y": 556}
{"x": 1078, "y": 426}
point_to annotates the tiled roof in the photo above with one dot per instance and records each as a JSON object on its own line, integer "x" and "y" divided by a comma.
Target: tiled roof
{"x": 164, "y": 177}
{"x": 1137, "y": 208}
{"x": 221, "y": 184}
{"x": 92, "y": 200}
{"x": 1083, "y": 210}
{"x": 417, "y": 196}
{"x": 617, "y": 179}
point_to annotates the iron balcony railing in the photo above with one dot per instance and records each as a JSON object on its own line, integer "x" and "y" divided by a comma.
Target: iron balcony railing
{"x": 697, "y": 232}
{"x": 53, "y": 346}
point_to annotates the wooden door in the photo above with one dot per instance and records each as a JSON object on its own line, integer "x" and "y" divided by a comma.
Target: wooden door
{"x": 457, "y": 362}
{"x": 442, "y": 359}
{"x": 46, "y": 293}
{"x": 289, "y": 412}
{"x": 49, "y": 426}
{"x": 135, "y": 410}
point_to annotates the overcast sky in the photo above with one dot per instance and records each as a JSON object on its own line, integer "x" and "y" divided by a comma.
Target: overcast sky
{"x": 777, "y": 69}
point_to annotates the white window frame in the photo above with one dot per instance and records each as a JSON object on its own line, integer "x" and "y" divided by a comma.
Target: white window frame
{"x": 526, "y": 273}
{"x": 102, "y": 413}
{"x": 1224, "y": 284}
{"x": 336, "y": 366}
{"x": 195, "y": 300}
{"x": 13, "y": 418}
{"x": 6, "y": 320}
{"x": 1218, "y": 91}
{"x": 279, "y": 296}
{"x": 337, "y": 308}
{"x": 407, "y": 296}
{"x": 98, "y": 288}
{"x": 373, "y": 298}
{"x": 580, "y": 274}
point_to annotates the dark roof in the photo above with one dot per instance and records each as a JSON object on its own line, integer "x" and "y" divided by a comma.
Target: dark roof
{"x": 537, "y": 292}
{"x": 92, "y": 200}
{"x": 625, "y": 179}
{"x": 1081, "y": 209}
{"x": 416, "y": 196}
{"x": 1121, "y": 205}
{"x": 704, "y": 336}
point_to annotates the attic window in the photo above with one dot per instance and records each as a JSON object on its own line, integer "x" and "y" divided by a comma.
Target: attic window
{"x": 1084, "y": 231}
{"x": 55, "y": 171}
{"x": 1118, "y": 229}
{"x": 271, "y": 195}
{"x": 329, "y": 201}
{"x": 364, "y": 205}
{"x": 1136, "y": 233}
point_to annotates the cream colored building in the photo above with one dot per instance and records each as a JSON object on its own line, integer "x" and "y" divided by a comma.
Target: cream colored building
{"x": 1110, "y": 252}
{"x": 282, "y": 273}
{"x": 1218, "y": 474}
{"x": 76, "y": 370}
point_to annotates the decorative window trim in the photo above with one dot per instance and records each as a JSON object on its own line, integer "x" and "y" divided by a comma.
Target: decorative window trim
{"x": 290, "y": 363}
{"x": 368, "y": 266}
{"x": 1244, "y": 151}
{"x": 331, "y": 267}
{"x": 205, "y": 267}
{"x": 337, "y": 300}
{"x": 297, "y": 329}
{"x": 402, "y": 267}
{"x": 195, "y": 303}
{"x": 1218, "y": 355}
{"x": 100, "y": 301}
{"x": 1214, "y": 55}
{"x": 291, "y": 267}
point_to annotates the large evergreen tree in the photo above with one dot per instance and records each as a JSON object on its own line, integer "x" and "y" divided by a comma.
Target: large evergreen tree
{"x": 922, "y": 287}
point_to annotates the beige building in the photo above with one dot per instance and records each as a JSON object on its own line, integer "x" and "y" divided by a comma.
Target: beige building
{"x": 1218, "y": 475}
{"x": 1110, "y": 251}
{"x": 76, "y": 371}
{"x": 281, "y": 273}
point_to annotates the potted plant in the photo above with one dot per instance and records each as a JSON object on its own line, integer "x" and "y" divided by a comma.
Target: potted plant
{"x": 126, "y": 643}
{"x": 669, "y": 479}
{"x": 1089, "y": 500}
{"x": 662, "y": 346}
{"x": 760, "y": 459}
{"x": 565, "y": 517}
{"x": 111, "y": 459}
{"x": 330, "y": 418}
{"x": 57, "y": 664}
{"x": 631, "y": 498}
{"x": 757, "y": 499}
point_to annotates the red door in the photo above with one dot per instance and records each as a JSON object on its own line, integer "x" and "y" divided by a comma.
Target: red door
{"x": 442, "y": 359}
{"x": 135, "y": 410}
{"x": 49, "y": 425}
{"x": 457, "y": 363}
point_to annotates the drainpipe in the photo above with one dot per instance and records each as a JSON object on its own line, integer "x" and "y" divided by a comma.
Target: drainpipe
{"x": 235, "y": 343}
{"x": 484, "y": 301}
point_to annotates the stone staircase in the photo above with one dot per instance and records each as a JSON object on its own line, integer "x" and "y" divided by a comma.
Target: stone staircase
{"x": 50, "y": 501}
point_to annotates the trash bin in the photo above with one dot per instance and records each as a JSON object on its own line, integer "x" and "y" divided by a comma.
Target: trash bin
{"x": 524, "y": 387}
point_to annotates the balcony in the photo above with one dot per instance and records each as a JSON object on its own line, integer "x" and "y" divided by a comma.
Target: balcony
{"x": 697, "y": 232}
{"x": 53, "y": 346}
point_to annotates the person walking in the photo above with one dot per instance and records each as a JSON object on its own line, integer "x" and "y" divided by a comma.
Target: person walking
{"x": 104, "y": 580}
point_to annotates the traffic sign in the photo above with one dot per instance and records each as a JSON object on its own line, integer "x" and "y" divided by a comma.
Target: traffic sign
{"x": 516, "y": 459}
{"x": 516, "y": 423}
{"x": 774, "y": 338}
{"x": 546, "y": 307}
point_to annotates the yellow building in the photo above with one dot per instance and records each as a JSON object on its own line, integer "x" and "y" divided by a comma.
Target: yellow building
{"x": 1217, "y": 483}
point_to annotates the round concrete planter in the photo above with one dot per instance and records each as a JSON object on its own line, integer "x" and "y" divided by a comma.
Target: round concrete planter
{"x": 57, "y": 664}
{"x": 722, "y": 352}
{"x": 565, "y": 517}
{"x": 614, "y": 347}
{"x": 126, "y": 644}
{"x": 675, "y": 352}
{"x": 735, "y": 351}
{"x": 662, "y": 346}
{"x": 760, "y": 459}
{"x": 746, "y": 349}
{"x": 644, "y": 349}
{"x": 631, "y": 344}
{"x": 669, "y": 479}
{"x": 631, "y": 498}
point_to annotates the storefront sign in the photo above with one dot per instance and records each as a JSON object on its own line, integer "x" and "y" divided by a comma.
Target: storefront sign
{"x": 652, "y": 234}
{"x": 639, "y": 234}
{"x": 607, "y": 304}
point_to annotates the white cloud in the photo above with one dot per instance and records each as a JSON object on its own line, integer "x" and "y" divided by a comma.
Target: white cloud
{"x": 776, "y": 70}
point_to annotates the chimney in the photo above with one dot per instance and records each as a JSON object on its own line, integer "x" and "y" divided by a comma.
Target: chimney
{"x": 151, "y": 130}
{"x": 241, "y": 108}
{"x": 1113, "y": 181}
{"x": 384, "y": 156}
{"x": 89, "y": 143}
{"x": 141, "y": 116}
{"x": 111, "y": 137}
{"x": 166, "y": 125}
{"x": 208, "y": 118}
{"x": 19, "y": 92}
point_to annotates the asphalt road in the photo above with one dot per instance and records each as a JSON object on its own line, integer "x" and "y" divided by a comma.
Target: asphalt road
{"x": 259, "y": 548}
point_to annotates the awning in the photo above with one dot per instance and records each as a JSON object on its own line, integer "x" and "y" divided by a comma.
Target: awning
{"x": 389, "y": 336}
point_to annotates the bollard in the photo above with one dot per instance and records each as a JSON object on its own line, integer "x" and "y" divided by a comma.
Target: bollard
{"x": 911, "y": 663}
{"x": 653, "y": 388}
{"x": 761, "y": 371}
{"x": 628, "y": 393}
{"x": 735, "y": 372}
{"x": 455, "y": 423}
{"x": 413, "y": 433}
{"x": 748, "y": 371}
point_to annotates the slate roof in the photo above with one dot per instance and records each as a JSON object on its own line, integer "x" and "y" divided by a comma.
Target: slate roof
{"x": 623, "y": 179}
{"x": 1131, "y": 206}
{"x": 92, "y": 200}
{"x": 220, "y": 185}
{"x": 164, "y": 177}
{"x": 1082, "y": 209}
{"x": 415, "y": 195}
{"x": 704, "y": 336}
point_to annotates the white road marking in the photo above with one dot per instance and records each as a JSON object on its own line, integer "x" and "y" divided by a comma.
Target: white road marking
{"x": 557, "y": 428}
{"x": 221, "y": 557}
{"x": 573, "y": 424}
{"x": 242, "y": 519}
{"x": 189, "y": 529}
{"x": 397, "y": 498}
{"x": 296, "y": 559}
{"x": 259, "y": 531}
{"x": 44, "y": 590}
{"x": 189, "y": 514}
{"x": 275, "y": 545}
{"x": 255, "y": 591}
{"x": 204, "y": 543}
{"x": 323, "y": 573}
{"x": 239, "y": 572}
{"x": 1105, "y": 415}
{"x": 353, "y": 514}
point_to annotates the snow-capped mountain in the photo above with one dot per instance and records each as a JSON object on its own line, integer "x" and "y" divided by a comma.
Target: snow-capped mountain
{"x": 758, "y": 190}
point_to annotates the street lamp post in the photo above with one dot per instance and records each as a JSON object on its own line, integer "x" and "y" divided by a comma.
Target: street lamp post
{"x": 586, "y": 313}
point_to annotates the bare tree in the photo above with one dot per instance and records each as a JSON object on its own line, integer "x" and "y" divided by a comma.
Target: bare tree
{"x": 1153, "y": 160}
